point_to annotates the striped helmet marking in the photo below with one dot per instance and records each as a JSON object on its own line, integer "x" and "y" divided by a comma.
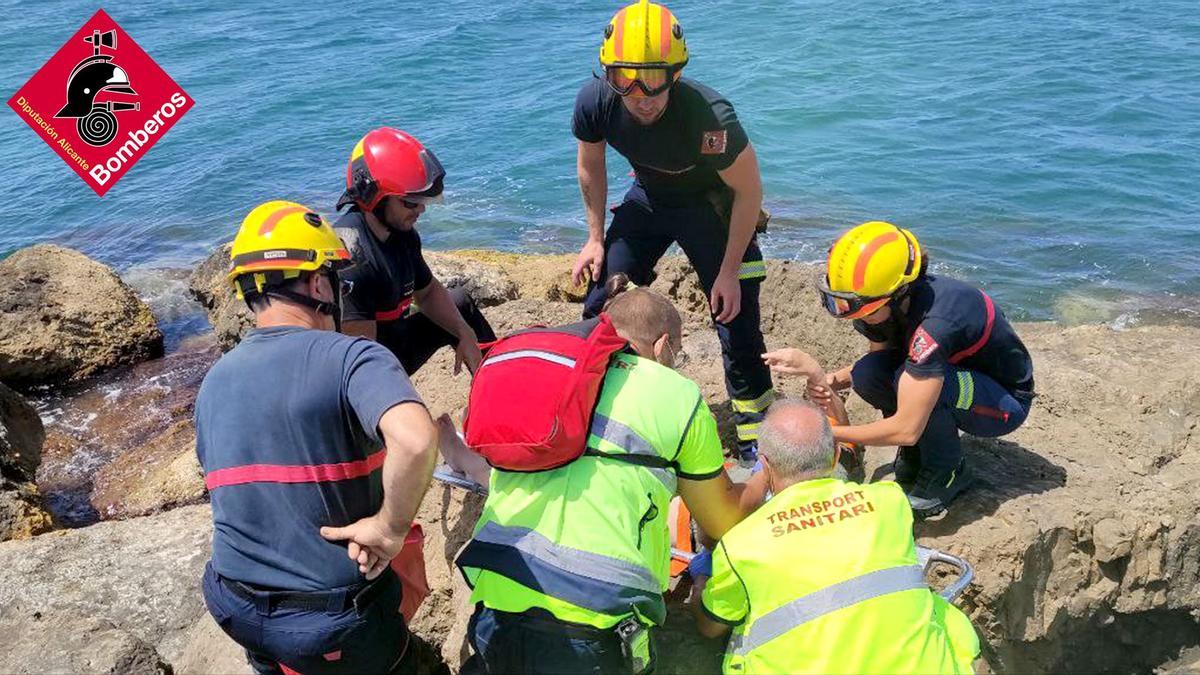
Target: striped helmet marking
{"x": 864, "y": 258}
{"x": 619, "y": 35}
{"x": 664, "y": 45}
{"x": 272, "y": 220}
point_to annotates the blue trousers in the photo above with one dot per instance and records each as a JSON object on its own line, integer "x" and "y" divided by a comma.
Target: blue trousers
{"x": 638, "y": 238}
{"x": 970, "y": 401}
{"x": 371, "y": 639}
{"x": 539, "y": 645}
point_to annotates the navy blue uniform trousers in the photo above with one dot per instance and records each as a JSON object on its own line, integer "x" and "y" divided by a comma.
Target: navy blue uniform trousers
{"x": 638, "y": 238}
{"x": 970, "y": 401}
{"x": 371, "y": 639}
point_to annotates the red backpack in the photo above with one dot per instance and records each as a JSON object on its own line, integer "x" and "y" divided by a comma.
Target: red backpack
{"x": 531, "y": 399}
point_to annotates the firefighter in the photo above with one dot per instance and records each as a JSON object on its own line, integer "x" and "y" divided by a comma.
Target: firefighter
{"x": 696, "y": 184}
{"x": 942, "y": 359}
{"x": 395, "y": 298}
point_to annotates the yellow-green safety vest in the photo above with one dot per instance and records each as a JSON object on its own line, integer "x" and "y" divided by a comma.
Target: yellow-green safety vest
{"x": 588, "y": 541}
{"x": 831, "y": 584}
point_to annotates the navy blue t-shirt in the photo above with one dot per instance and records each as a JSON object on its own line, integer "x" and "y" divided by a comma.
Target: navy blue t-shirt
{"x": 675, "y": 159}
{"x": 385, "y": 273}
{"x": 946, "y": 319}
{"x": 293, "y": 404}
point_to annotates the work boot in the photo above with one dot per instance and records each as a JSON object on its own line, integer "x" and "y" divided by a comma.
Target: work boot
{"x": 935, "y": 489}
{"x": 907, "y": 465}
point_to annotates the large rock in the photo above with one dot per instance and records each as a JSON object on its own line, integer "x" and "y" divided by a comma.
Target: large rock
{"x": 68, "y": 643}
{"x": 137, "y": 577}
{"x": 230, "y": 317}
{"x": 65, "y": 317}
{"x": 486, "y": 284}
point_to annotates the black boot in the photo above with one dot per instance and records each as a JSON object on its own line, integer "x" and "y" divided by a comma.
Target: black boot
{"x": 907, "y": 465}
{"x": 935, "y": 489}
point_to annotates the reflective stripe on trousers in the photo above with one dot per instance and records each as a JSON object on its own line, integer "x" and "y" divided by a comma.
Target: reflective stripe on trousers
{"x": 631, "y": 442}
{"x": 827, "y": 600}
{"x": 589, "y": 580}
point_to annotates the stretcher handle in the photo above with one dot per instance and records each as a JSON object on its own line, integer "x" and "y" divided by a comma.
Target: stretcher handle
{"x": 928, "y": 557}
{"x": 455, "y": 480}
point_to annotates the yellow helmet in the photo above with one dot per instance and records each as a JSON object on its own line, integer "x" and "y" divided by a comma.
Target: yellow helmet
{"x": 644, "y": 34}
{"x": 278, "y": 240}
{"x": 867, "y": 265}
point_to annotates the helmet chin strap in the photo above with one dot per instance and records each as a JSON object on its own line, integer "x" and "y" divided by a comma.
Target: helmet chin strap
{"x": 331, "y": 309}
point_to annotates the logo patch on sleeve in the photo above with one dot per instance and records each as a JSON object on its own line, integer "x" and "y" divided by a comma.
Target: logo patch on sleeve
{"x": 922, "y": 346}
{"x": 713, "y": 143}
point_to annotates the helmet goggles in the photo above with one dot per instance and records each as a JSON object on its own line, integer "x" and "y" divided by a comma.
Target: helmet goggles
{"x": 846, "y": 305}
{"x": 649, "y": 80}
{"x": 365, "y": 188}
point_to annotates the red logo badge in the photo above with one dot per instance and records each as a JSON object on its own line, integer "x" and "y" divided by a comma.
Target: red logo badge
{"x": 100, "y": 102}
{"x": 713, "y": 143}
{"x": 922, "y": 346}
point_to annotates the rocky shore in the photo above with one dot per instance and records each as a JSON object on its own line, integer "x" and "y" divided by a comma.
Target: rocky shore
{"x": 1084, "y": 528}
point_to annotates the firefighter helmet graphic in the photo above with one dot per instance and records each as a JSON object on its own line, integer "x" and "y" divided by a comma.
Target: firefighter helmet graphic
{"x": 96, "y": 123}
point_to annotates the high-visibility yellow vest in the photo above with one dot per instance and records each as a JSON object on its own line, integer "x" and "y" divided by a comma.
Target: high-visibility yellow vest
{"x": 589, "y": 541}
{"x": 824, "y": 578}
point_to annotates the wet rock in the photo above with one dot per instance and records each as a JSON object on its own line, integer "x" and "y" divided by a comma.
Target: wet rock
{"x": 165, "y": 473}
{"x": 66, "y": 643}
{"x": 486, "y": 284}
{"x": 230, "y": 317}
{"x": 65, "y": 317}
{"x": 125, "y": 438}
{"x": 21, "y": 436}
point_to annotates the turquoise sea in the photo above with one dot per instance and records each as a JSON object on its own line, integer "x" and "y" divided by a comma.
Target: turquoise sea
{"x": 1047, "y": 150}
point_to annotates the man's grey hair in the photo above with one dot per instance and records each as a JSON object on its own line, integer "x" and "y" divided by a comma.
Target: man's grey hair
{"x": 797, "y": 439}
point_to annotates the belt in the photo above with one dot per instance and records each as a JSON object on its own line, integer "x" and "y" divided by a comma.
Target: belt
{"x": 543, "y": 621}
{"x": 359, "y": 597}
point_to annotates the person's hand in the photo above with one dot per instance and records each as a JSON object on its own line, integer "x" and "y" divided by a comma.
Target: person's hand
{"x": 791, "y": 361}
{"x": 467, "y": 352}
{"x": 371, "y": 543}
{"x": 820, "y": 394}
{"x": 587, "y": 265}
{"x": 726, "y": 299}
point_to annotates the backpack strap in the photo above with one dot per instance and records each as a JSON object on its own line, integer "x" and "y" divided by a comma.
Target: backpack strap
{"x": 650, "y": 462}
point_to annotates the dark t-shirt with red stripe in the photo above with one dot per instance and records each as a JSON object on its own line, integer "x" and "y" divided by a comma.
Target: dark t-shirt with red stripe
{"x": 287, "y": 431}
{"x": 952, "y": 323}
{"x": 385, "y": 274}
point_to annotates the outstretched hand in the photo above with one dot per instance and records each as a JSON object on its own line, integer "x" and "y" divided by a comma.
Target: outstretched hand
{"x": 371, "y": 544}
{"x": 467, "y": 353}
{"x": 791, "y": 361}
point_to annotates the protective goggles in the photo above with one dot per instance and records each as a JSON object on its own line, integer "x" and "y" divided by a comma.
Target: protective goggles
{"x": 651, "y": 81}
{"x": 844, "y": 305}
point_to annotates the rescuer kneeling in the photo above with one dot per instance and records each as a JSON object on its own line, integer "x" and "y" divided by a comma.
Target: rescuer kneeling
{"x": 943, "y": 358}
{"x": 824, "y": 576}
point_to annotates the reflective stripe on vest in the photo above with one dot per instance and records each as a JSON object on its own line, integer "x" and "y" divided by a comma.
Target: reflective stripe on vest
{"x": 632, "y": 442}
{"x": 589, "y": 580}
{"x": 827, "y": 600}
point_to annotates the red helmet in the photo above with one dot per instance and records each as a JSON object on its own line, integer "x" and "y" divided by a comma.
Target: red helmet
{"x": 387, "y": 162}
